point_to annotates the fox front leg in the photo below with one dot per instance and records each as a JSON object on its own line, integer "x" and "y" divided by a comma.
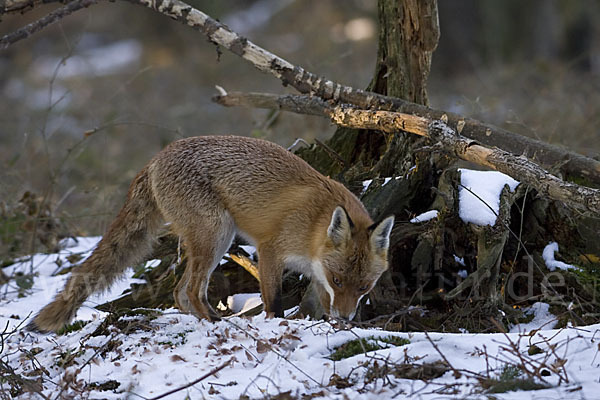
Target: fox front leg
{"x": 270, "y": 274}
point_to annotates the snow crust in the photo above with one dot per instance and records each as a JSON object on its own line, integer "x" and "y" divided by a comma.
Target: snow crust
{"x": 479, "y": 195}
{"x": 242, "y": 302}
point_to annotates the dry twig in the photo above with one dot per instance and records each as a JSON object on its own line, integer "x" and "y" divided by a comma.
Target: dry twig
{"x": 192, "y": 383}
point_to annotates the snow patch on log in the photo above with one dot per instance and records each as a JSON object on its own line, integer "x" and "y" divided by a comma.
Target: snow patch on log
{"x": 479, "y": 195}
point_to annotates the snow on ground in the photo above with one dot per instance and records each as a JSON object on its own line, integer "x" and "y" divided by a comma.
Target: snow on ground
{"x": 368, "y": 182}
{"x": 551, "y": 262}
{"x": 241, "y": 302}
{"x": 261, "y": 357}
{"x": 479, "y": 195}
{"x": 542, "y": 319}
{"x": 46, "y": 285}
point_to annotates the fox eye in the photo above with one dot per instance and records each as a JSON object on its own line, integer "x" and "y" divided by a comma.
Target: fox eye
{"x": 363, "y": 288}
{"x": 337, "y": 281}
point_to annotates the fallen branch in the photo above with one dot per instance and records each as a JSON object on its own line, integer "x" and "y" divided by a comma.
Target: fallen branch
{"x": 389, "y": 122}
{"x": 519, "y": 167}
{"x": 299, "y": 104}
{"x": 305, "y": 82}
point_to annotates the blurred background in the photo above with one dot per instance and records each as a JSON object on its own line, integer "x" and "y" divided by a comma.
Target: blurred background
{"x": 87, "y": 102}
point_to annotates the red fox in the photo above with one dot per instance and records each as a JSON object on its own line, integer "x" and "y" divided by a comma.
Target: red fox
{"x": 214, "y": 187}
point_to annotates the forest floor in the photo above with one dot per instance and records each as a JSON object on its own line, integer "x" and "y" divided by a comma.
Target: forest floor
{"x": 148, "y": 353}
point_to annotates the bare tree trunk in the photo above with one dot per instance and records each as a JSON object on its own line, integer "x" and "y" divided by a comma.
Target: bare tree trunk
{"x": 408, "y": 35}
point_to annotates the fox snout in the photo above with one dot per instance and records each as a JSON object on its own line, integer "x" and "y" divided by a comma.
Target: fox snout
{"x": 345, "y": 307}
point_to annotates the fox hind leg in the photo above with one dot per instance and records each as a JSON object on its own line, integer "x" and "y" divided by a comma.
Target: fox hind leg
{"x": 206, "y": 242}
{"x": 179, "y": 294}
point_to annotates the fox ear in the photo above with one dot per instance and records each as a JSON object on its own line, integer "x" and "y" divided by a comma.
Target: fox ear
{"x": 380, "y": 236}
{"x": 340, "y": 226}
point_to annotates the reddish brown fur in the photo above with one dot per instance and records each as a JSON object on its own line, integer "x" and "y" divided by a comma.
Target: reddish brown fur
{"x": 211, "y": 188}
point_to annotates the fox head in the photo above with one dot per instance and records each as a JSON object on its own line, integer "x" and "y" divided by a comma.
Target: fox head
{"x": 352, "y": 261}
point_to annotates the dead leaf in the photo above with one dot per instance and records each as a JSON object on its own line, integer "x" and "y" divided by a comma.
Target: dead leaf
{"x": 262, "y": 347}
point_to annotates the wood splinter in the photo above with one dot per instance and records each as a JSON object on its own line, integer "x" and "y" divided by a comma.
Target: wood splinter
{"x": 247, "y": 264}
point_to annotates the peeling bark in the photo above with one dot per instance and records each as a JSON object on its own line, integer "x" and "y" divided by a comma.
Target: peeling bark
{"x": 519, "y": 167}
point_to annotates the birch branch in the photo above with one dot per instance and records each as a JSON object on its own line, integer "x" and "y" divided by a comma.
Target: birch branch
{"x": 519, "y": 167}
{"x": 22, "y": 6}
{"x": 43, "y": 22}
{"x": 308, "y": 83}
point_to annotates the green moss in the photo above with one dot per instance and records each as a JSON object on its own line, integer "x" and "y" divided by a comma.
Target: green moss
{"x": 110, "y": 385}
{"x": 73, "y": 327}
{"x": 364, "y": 345}
{"x": 180, "y": 338}
{"x": 526, "y": 318}
{"x": 509, "y": 372}
{"x": 533, "y": 350}
{"x": 510, "y": 380}
{"x": 141, "y": 322}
